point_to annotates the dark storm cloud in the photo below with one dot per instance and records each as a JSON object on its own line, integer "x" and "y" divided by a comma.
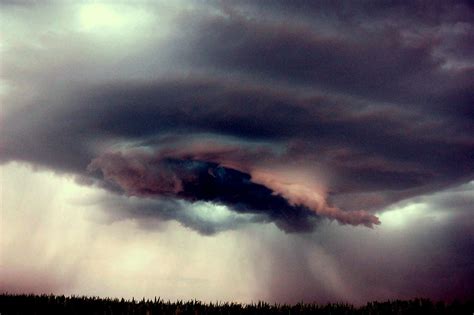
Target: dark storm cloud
{"x": 373, "y": 101}
{"x": 369, "y": 65}
{"x": 374, "y": 53}
{"x": 371, "y": 146}
{"x": 194, "y": 181}
{"x": 205, "y": 172}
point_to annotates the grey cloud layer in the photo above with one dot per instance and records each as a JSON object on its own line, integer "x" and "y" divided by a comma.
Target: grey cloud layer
{"x": 374, "y": 105}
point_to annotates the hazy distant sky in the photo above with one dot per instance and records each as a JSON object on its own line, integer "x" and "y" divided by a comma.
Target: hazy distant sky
{"x": 238, "y": 150}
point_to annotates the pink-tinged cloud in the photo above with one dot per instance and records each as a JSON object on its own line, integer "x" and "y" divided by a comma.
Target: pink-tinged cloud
{"x": 137, "y": 174}
{"x": 299, "y": 189}
{"x": 194, "y": 171}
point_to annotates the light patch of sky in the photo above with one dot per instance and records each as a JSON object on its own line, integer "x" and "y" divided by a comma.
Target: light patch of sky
{"x": 50, "y": 243}
{"x": 115, "y": 19}
{"x": 215, "y": 213}
{"x": 87, "y": 41}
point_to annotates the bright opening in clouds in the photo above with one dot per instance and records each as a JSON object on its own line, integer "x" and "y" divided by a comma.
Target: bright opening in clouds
{"x": 238, "y": 150}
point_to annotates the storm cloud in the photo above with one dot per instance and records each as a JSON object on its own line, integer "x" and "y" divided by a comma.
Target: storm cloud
{"x": 318, "y": 150}
{"x": 294, "y": 111}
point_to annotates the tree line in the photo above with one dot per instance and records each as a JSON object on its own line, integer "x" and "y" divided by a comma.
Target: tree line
{"x": 60, "y": 304}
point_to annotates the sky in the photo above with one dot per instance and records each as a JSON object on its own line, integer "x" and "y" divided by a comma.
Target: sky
{"x": 239, "y": 150}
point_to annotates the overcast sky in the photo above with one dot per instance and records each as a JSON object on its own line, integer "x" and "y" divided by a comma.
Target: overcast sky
{"x": 238, "y": 150}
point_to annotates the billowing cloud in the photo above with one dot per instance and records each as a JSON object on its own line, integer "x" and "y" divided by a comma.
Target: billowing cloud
{"x": 297, "y": 112}
{"x": 203, "y": 175}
